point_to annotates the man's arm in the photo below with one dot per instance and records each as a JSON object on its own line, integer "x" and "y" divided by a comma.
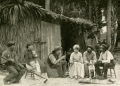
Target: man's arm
{"x": 100, "y": 59}
{"x": 4, "y": 58}
{"x": 85, "y": 58}
{"x": 108, "y": 55}
{"x": 94, "y": 57}
{"x": 53, "y": 59}
{"x": 16, "y": 57}
{"x": 81, "y": 58}
{"x": 71, "y": 58}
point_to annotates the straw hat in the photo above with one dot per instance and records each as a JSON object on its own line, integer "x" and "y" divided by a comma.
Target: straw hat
{"x": 57, "y": 48}
{"x": 105, "y": 46}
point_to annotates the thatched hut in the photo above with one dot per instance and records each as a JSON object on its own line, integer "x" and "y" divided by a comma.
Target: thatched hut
{"x": 27, "y": 22}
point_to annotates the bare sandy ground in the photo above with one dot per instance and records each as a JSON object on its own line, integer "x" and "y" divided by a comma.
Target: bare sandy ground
{"x": 65, "y": 81}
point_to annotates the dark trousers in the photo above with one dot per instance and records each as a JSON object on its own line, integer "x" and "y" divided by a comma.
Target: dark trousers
{"x": 15, "y": 73}
{"x": 105, "y": 68}
{"x": 86, "y": 70}
{"x": 61, "y": 67}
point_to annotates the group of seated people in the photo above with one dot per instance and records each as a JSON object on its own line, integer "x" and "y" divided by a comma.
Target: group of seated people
{"x": 82, "y": 66}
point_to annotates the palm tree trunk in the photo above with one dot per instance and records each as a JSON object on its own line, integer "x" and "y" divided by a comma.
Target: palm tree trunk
{"x": 20, "y": 1}
{"x": 109, "y": 23}
{"x": 90, "y": 10}
{"x": 47, "y": 4}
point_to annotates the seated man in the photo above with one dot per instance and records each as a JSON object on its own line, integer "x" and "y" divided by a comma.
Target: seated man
{"x": 105, "y": 60}
{"x": 57, "y": 62}
{"x": 97, "y": 50}
{"x": 88, "y": 56}
{"x": 13, "y": 66}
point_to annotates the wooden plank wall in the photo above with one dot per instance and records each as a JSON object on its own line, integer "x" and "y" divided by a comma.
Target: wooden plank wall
{"x": 51, "y": 35}
{"x": 28, "y": 31}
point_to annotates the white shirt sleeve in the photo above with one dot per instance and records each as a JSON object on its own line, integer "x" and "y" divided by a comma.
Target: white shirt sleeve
{"x": 85, "y": 58}
{"x": 71, "y": 58}
{"x": 108, "y": 56}
{"x": 100, "y": 57}
{"x": 81, "y": 58}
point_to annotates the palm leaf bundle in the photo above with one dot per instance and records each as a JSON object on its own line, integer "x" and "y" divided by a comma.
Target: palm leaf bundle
{"x": 12, "y": 11}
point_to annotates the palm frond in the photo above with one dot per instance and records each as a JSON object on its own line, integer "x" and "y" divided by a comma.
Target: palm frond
{"x": 14, "y": 11}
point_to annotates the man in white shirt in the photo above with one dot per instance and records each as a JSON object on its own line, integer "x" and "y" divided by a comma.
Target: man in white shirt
{"x": 105, "y": 61}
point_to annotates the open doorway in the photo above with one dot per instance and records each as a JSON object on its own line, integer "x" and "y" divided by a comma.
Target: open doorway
{"x": 71, "y": 34}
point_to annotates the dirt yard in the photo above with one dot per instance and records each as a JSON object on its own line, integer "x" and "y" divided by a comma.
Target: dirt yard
{"x": 65, "y": 81}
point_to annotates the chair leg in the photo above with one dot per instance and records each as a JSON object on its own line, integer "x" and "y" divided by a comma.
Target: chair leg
{"x": 33, "y": 76}
{"x": 110, "y": 72}
{"x": 26, "y": 74}
{"x": 114, "y": 72}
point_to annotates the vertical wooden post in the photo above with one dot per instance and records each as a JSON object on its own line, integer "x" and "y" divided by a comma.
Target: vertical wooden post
{"x": 47, "y": 4}
{"x": 109, "y": 23}
{"x": 90, "y": 10}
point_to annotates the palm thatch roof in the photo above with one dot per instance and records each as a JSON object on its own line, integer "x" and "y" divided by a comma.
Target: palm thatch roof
{"x": 13, "y": 11}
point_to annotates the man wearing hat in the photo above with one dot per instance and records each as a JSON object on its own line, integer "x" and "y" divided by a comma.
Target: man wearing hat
{"x": 9, "y": 58}
{"x": 105, "y": 60}
{"x": 88, "y": 56}
{"x": 56, "y": 61}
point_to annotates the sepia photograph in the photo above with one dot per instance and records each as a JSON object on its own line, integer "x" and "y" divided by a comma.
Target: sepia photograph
{"x": 59, "y": 42}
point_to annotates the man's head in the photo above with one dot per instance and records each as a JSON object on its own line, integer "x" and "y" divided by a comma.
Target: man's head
{"x": 57, "y": 50}
{"x": 89, "y": 48}
{"x": 97, "y": 47}
{"x": 76, "y": 48}
{"x": 29, "y": 46}
{"x": 103, "y": 47}
{"x": 11, "y": 45}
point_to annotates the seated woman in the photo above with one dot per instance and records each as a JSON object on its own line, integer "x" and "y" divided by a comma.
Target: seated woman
{"x": 33, "y": 62}
{"x": 55, "y": 61}
{"x": 77, "y": 66}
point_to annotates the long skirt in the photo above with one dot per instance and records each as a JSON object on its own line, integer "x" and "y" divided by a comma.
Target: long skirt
{"x": 76, "y": 69}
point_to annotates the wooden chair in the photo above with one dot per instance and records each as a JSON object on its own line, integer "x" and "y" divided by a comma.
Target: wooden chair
{"x": 32, "y": 75}
{"x": 28, "y": 73}
{"x": 112, "y": 68}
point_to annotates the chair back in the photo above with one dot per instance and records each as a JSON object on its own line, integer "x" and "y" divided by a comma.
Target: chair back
{"x": 114, "y": 61}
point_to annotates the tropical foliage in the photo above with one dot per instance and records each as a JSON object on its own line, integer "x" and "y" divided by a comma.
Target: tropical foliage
{"x": 12, "y": 11}
{"x": 88, "y": 9}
